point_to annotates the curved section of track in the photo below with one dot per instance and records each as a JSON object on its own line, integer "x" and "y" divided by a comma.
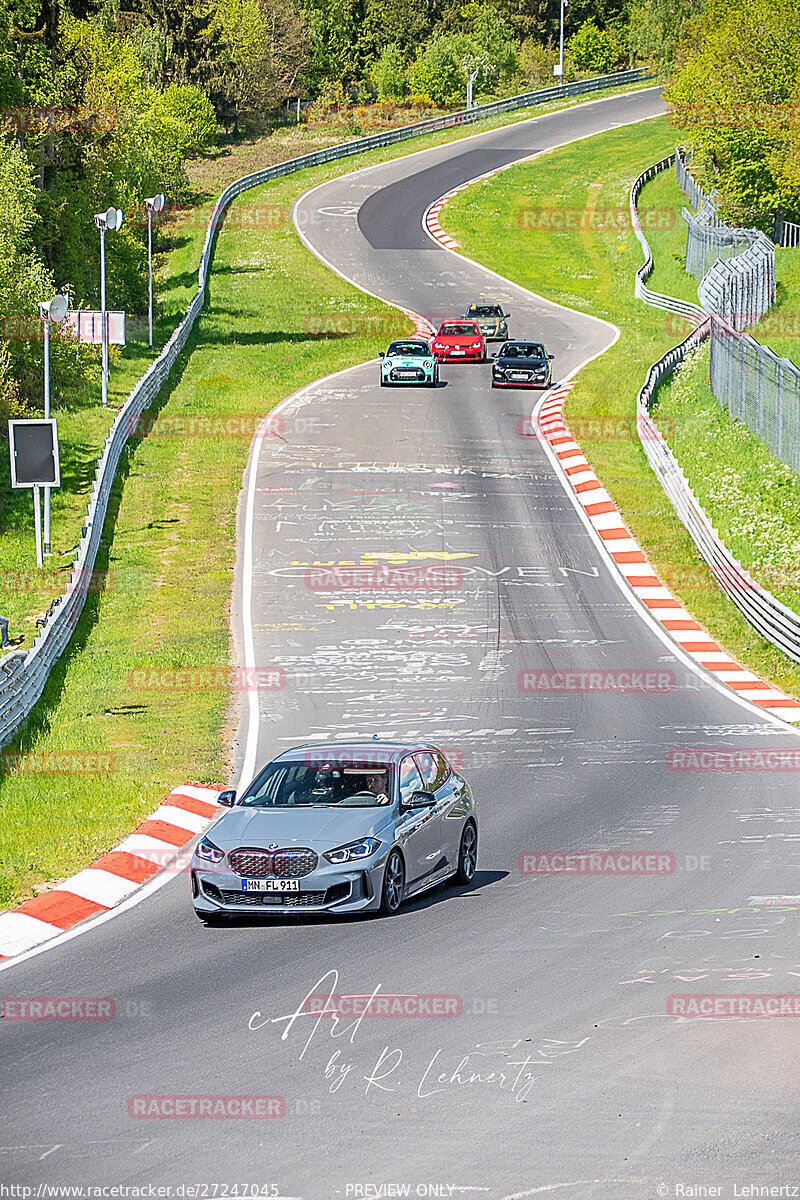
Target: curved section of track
{"x": 562, "y": 1069}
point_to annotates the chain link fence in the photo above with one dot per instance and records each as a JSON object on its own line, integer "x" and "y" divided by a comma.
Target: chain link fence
{"x": 755, "y": 385}
{"x": 766, "y": 614}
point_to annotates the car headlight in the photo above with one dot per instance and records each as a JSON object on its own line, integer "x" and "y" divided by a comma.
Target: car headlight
{"x": 428, "y": 362}
{"x": 475, "y": 346}
{"x": 210, "y": 852}
{"x": 352, "y": 851}
{"x": 387, "y": 362}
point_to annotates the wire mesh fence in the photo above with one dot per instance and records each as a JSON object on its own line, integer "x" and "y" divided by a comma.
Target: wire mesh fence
{"x": 736, "y": 268}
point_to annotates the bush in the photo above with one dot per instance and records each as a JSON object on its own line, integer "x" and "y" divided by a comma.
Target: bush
{"x": 593, "y": 49}
{"x": 439, "y": 72}
{"x": 188, "y": 116}
{"x": 389, "y": 74}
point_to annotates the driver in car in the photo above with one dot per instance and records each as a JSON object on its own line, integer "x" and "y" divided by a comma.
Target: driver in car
{"x": 377, "y": 783}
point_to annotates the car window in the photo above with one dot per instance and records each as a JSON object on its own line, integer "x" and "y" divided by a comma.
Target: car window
{"x": 459, "y": 330}
{"x": 484, "y": 310}
{"x": 412, "y": 349}
{"x": 427, "y": 769}
{"x": 410, "y": 779}
{"x": 522, "y": 350}
{"x": 442, "y": 771}
{"x": 326, "y": 784}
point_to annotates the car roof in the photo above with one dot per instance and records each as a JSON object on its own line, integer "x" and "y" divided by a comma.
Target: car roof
{"x": 374, "y": 752}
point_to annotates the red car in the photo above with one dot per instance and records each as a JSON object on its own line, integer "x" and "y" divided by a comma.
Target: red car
{"x": 459, "y": 339}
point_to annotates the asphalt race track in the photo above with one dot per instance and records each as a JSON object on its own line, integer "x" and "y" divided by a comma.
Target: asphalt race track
{"x": 561, "y": 1070}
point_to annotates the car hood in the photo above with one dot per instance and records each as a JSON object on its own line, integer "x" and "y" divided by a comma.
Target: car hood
{"x": 318, "y": 828}
{"x": 400, "y": 360}
{"x": 458, "y": 339}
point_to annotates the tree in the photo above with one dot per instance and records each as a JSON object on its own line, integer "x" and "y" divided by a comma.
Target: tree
{"x": 733, "y": 94}
{"x": 389, "y": 74}
{"x": 439, "y": 72}
{"x": 656, "y": 28}
{"x": 593, "y": 49}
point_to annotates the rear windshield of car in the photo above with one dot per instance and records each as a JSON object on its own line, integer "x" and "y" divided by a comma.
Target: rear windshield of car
{"x": 484, "y": 310}
{"x": 523, "y": 350}
{"x": 329, "y": 784}
{"x": 409, "y": 349}
{"x": 458, "y": 330}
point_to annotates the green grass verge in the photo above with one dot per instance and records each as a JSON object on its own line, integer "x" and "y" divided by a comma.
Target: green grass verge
{"x": 103, "y": 746}
{"x": 590, "y": 266}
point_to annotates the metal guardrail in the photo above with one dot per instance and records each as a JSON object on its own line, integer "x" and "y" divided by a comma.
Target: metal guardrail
{"x": 23, "y": 675}
{"x": 768, "y": 616}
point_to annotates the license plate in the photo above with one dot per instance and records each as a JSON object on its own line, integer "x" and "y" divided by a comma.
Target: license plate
{"x": 270, "y": 885}
{"x": 406, "y": 374}
{"x": 459, "y": 352}
{"x": 518, "y": 375}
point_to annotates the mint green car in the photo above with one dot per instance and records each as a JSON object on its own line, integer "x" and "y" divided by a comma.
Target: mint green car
{"x": 409, "y": 361}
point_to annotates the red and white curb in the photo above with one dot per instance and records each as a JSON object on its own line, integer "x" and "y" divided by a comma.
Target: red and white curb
{"x": 156, "y": 844}
{"x": 633, "y": 564}
{"x": 422, "y": 326}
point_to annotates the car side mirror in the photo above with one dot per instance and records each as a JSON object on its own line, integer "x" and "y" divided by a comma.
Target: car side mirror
{"x": 419, "y": 800}
{"x": 227, "y": 798}
{"x": 506, "y": 314}
{"x": 381, "y": 354}
{"x": 551, "y": 357}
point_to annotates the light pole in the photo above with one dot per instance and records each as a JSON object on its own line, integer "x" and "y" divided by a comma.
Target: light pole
{"x": 559, "y": 70}
{"x": 470, "y": 82}
{"x": 111, "y": 220}
{"x": 51, "y": 310}
{"x": 153, "y": 204}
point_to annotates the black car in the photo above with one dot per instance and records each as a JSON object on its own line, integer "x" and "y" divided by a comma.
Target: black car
{"x": 522, "y": 364}
{"x": 491, "y": 319}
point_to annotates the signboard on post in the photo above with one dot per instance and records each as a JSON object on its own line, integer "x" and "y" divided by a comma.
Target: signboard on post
{"x": 87, "y": 326}
{"x": 33, "y": 447}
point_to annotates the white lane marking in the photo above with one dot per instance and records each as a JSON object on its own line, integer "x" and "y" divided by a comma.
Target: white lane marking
{"x": 50, "y": 1151}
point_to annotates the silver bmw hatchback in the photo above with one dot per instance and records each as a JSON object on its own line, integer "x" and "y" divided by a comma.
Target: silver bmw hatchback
{"x": 341, "y": 828}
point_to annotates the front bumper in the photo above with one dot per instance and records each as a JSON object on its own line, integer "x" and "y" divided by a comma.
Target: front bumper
{"x": 501, "y": 381}
{"x": 329, "y": 888}
{"x": 460, "y": 356}
{"x": 492, "y": 334}
{"x": 404, "y": 375}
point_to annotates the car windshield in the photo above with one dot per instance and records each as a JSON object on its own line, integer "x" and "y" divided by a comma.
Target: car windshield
{"x": 320, "y": 784}
{"x": 458, "y": 330}
{"x": 522, "y": 350}
{"x": 409, "y": 349}
{"x": 484, "y": 310}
